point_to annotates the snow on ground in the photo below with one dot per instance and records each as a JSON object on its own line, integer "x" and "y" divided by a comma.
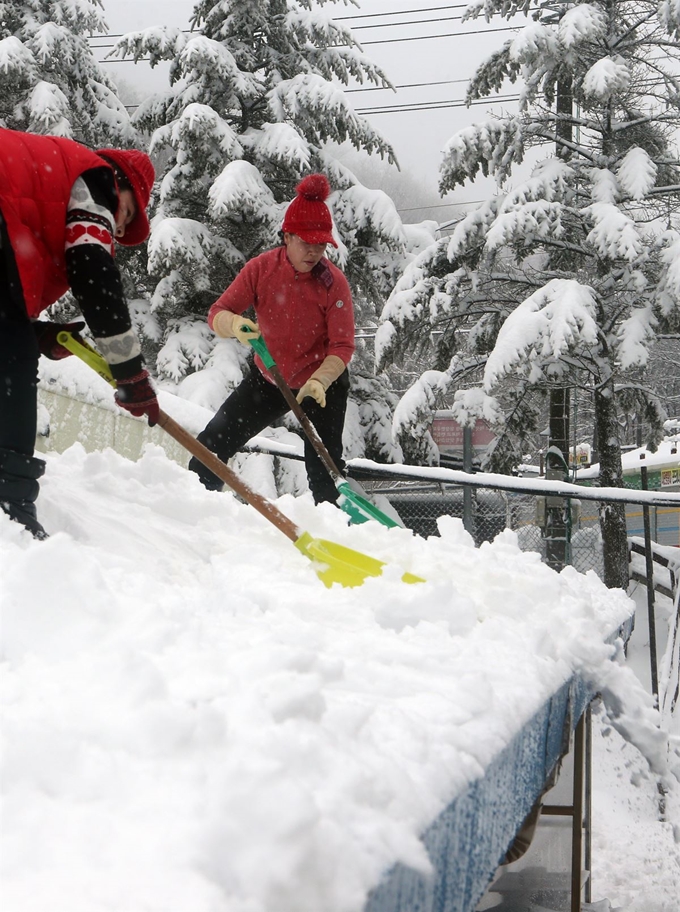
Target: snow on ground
{"x": 192, "y": 722}
{"x": 636, "y": 856}
{"x": 636, "y": 853}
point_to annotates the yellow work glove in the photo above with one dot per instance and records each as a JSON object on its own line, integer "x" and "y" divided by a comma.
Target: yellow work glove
{"x": 328, "y": 371}
{"x": 229, "y": 325}
{"x": 244, "y": 329}
{"x": 314, "y": 389}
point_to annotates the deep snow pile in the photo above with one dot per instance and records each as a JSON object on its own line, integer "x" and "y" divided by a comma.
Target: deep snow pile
{"x": 192, "y": 721}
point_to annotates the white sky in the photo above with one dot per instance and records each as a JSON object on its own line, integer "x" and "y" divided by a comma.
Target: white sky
{"x": 192, "y": 722}
{"x": 417, "y": 137}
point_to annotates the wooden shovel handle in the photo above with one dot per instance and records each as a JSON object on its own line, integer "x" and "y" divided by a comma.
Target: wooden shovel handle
{"x": 307, "y": 426}
{"x": 231, "y": 479}
{"x": 260, "y": 346}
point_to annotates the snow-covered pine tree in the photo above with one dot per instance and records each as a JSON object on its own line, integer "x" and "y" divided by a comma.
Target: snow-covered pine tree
{"x": 255, "y": 98}
{"x": 50, "y": 81}
{"x": 564, "y": 279}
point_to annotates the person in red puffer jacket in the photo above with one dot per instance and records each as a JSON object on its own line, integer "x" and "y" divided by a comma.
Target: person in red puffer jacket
{"x": 303, "y": 307}
{"x": 61, "y": 206}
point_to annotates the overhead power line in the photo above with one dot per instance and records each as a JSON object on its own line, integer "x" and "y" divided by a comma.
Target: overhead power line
{"x": 419, "y": 106}
{"x": 109, "y": 37}
{"x": 357, "y": 16}
{"x": 428, "y": 9}
{"x": 448, "y": 35}
{"x": 439, "y": 206}
{"x": 411, "y": 85}
{"x": 385, "y": 25}
{"x": 381, "y": 109}
{"x": 101, "y": 47}
{"x": 353, "y": 18}
{"x": 436, "y": 105}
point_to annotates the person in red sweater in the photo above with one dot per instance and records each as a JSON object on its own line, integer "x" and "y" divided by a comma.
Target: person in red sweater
{"x": 303, "y": 308}
{"x": 61, "y": 206}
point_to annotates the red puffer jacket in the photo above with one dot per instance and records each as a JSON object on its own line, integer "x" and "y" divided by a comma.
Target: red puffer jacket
{"x": 36, "y": 176}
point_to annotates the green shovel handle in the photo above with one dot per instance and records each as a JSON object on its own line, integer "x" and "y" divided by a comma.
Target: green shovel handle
{"x": 260, "y": 347}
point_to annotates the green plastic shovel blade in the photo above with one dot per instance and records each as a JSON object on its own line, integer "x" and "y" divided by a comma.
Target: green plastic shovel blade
{"x": 359, "y": 509}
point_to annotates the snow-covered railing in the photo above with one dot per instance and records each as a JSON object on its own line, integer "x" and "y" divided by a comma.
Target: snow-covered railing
{"x": 666, "y": 581}
{"x": 362, "y": 468}
{"x": 75, "y": 405}
{"x": 72, "y": 389}
{"x": 665, "y": 567}
{"x": 669, "y": 669}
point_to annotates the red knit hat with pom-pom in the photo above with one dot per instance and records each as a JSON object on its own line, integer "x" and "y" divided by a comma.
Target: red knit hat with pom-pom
{"x": 308, "y": 216}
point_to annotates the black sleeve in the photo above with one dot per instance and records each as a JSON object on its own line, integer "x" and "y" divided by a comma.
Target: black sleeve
{"x": 96, "y": 283}
{"x": 94, "y": 276}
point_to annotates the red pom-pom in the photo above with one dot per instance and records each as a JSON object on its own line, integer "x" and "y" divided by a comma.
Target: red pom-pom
{"x": 314, "y": 187}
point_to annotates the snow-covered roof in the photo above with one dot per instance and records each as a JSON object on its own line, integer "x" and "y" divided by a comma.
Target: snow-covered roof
{"x": 668, "y": 454}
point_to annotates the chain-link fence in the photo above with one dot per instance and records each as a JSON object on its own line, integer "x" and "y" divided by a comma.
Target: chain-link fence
{"x": 486, "y": 512}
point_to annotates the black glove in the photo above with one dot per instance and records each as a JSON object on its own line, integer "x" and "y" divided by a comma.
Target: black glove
{"x": 137, "y": 396}
{"x": 46, "y": 334}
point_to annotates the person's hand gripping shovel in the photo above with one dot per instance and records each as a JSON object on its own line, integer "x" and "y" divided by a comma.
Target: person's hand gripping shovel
{"x": 358, "y": 508}
{"x": 332, "y": 562}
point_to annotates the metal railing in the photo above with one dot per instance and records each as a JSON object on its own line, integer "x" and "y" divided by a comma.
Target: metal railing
{"x": 489, "y": 504}
{"x": 489, "y": 511}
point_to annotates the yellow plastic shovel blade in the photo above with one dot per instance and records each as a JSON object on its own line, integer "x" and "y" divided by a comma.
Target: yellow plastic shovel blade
{"x": 343, "y": 565}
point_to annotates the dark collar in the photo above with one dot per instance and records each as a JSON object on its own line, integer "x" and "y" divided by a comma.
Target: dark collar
{"x": 322, "y": 272}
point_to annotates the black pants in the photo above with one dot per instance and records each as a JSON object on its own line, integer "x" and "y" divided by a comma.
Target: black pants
{"x": 19, "y": 355}
{"x": 253, "y": 406}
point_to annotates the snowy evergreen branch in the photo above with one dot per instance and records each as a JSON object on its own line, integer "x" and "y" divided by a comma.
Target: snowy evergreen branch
{"x": 50, "y": 81}
{"x": 255, "y": 101}
{"x": 591, "y": 282}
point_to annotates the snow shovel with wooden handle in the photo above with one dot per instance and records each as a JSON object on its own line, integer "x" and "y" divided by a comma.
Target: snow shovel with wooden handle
{"x": 358, "y": 508}
{"x": 333, "y": 563}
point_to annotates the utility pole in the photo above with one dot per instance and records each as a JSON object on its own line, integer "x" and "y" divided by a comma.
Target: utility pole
{"x": 557, "y": 518}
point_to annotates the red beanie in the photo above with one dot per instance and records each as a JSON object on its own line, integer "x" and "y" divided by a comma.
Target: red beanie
{"x": 308, "y": 215}
{"x": 139, "y": 172}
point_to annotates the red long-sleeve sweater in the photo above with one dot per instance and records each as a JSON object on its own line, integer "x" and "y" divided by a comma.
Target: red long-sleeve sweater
{"x": 303, "y": 317}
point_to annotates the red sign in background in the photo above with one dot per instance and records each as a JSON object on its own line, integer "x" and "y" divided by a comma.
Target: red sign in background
{"x": 448, "y": 434}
